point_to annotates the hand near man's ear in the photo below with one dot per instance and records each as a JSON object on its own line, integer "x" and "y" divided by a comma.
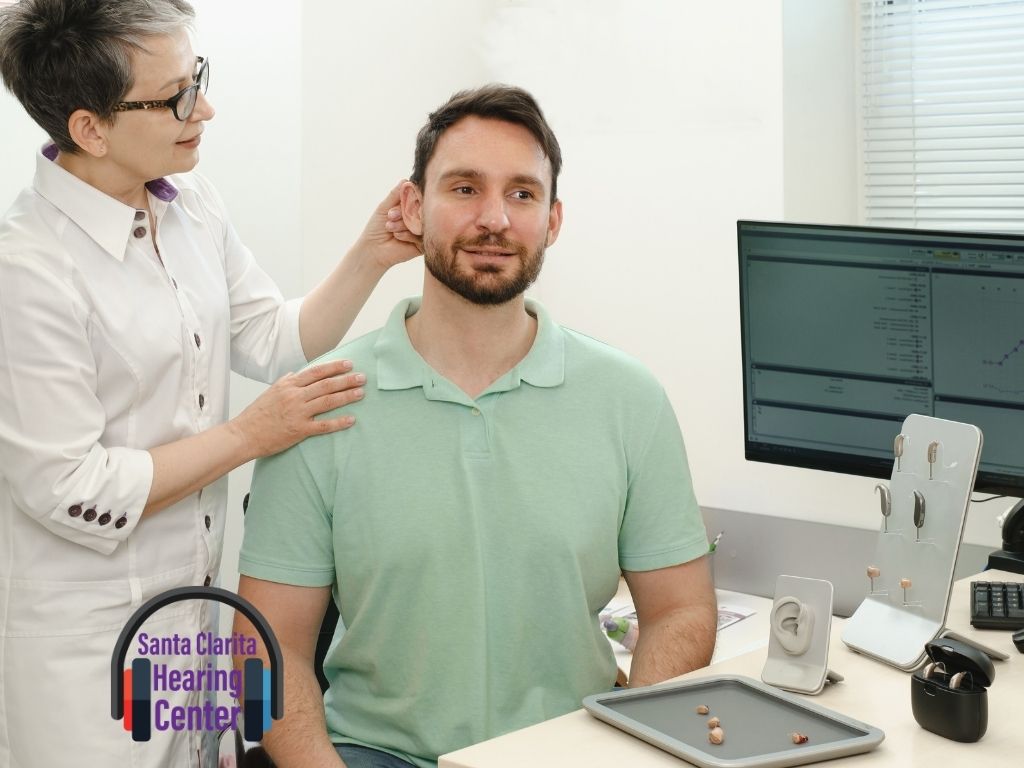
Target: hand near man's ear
{"x": 385, "y": 237}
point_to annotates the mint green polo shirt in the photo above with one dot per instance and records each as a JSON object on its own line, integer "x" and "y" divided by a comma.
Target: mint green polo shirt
{"x": 471, "y": 543}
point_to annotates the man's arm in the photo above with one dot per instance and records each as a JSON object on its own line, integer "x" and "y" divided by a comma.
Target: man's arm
{"x": 295, "y": 615}
{"x": 677, "y": 612}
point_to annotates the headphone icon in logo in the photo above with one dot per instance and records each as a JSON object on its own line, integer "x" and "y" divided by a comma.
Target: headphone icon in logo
{"x": 130, "y": 689}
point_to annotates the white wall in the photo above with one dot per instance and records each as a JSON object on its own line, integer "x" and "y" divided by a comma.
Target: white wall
{"x": 670, "y": 120}
{"x": 675, "y": 120}
{"x": 820, "y": 111}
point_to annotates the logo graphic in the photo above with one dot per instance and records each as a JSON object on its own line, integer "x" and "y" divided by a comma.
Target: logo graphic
{"x": 131, "y": 689}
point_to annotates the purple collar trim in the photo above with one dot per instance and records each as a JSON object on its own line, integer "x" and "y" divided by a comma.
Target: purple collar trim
{"x": 161, "y": 188}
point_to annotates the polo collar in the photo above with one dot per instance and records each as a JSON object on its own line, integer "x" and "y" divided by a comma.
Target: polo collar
{"x": 107, "y": 221}
{"x": 400, "y": 366}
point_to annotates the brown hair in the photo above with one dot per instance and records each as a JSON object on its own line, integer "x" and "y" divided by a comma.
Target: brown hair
{"x": 494, "y": 101}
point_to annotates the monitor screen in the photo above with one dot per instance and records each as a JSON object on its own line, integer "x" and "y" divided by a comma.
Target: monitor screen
{"x": 847, "y": 330}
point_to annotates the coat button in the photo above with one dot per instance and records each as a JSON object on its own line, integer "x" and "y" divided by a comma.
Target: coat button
{"x": 139, "y": 232}
{"x": 140, "y": 215}
{"x": 121, "y": 522}
{"x": 207, "y": 520}
{"x": 90, "y": 515}
{"x": 75, "y": 510}
{"x": 199, "y": 342}
{"x": 104, "y": 518}
{"x": 202, "y": 400}
{"x": 207, "y": 581}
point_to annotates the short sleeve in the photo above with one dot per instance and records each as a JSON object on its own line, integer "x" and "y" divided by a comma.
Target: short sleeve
{"x": 661, "y": 524}
{"x": 288, "y": 525}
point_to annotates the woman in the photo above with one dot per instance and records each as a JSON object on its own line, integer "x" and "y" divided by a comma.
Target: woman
{"x": 125, "y": 294}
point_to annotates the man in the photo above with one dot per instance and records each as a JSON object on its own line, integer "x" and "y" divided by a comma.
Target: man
{"x": 512, "y": 469}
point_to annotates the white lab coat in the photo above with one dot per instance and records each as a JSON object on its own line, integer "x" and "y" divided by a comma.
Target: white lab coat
{"x": 108, "y": 348}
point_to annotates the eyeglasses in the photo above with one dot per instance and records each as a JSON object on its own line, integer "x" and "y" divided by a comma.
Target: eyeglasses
{"x": 183, "y": 102}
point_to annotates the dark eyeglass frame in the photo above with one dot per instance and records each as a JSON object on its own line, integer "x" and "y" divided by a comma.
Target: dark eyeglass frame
{"x": 190, "y": 95}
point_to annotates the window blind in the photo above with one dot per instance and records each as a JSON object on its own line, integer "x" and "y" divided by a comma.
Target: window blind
{"x": 942, "y": 111}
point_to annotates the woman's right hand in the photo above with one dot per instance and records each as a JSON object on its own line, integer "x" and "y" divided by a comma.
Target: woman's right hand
{"x": 285, "y": 413}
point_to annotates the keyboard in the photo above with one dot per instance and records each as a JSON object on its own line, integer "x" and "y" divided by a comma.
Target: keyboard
{"x": 997, "y": 605}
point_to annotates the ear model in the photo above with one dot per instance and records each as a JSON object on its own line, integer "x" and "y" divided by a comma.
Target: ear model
{"x": 792, "y": 625}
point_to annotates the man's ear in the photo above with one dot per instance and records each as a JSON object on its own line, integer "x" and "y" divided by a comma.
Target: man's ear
{"x": 88, "y": 132}
{"x": 412, "y": 208}
{"x": 554, "y": 222}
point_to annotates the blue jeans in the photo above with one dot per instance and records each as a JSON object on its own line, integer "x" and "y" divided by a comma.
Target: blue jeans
{"x": 356, "y": 756}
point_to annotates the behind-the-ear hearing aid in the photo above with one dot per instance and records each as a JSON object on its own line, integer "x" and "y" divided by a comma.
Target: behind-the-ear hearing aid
{"x": 792, "y": 624}
{"x": 957, "y": 680}
{"x": 918, "y": 512}
{"x": 933, "y": 667}
{"x": 886, "y": 501}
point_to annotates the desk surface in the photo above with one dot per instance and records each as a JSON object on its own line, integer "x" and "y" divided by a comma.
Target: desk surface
{"x": 872, "y": 692}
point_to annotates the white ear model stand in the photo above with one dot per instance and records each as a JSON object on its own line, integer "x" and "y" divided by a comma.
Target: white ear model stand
{"x": 801, "y": 622}
{"x": 912, "y": 572}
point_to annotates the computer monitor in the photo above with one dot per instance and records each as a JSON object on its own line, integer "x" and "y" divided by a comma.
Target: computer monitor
{"x": 847, "y": 330}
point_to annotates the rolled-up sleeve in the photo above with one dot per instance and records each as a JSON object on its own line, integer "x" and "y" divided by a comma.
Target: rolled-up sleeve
{"x": 51, "y": 421}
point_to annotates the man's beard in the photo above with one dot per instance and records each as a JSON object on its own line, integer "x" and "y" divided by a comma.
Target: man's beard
{"x": 484, "y": 284}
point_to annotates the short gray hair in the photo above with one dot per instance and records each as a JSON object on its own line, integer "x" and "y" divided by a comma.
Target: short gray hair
{"x": 58, "y": 56}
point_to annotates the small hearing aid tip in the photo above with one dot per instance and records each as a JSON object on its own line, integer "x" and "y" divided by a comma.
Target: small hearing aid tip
{"x": 702, "y": 709}
{"x": 933, "y": 450}
{"x": 714, "y": 722}
{"x": 906, "y": 584}
{"x": 873, "y": 573}
{"x": 897, "y": 448}
{"x": 885, "y": 499}
{"x": 918, "y": 512}
{"x": 799, "y": 738}
{"x": 716, "y": 735}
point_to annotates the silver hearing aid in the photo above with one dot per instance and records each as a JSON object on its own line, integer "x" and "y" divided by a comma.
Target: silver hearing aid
{"x": 933, "y": 451}
{"x": 957, "y": 680}
{"x": 918, "y": 512}
{"x": 885, "y": 498}
{"x": 897, "y": 448}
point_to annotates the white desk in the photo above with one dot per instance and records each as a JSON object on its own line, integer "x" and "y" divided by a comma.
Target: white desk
{"x": 872, "y": 692}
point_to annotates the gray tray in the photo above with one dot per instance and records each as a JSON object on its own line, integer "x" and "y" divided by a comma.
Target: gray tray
{"x": 757, "y": 720}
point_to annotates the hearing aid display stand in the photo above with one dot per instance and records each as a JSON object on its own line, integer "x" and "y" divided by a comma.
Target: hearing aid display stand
{"x": 912, "y": 572}
{"x": 757, "y": 721}
{"x": 801, "y": 624}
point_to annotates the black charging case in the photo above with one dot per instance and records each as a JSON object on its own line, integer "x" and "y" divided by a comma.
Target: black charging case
{"x": 960, "y": 714}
